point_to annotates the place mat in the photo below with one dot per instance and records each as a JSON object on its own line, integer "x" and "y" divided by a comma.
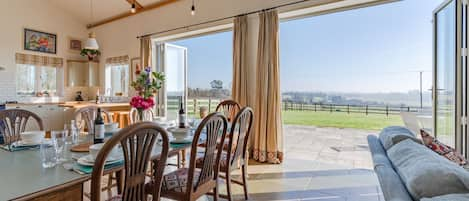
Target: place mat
{"x": 18, "y": 148}
{"x": 179, "y": 144}
{"x": 89, "y": 169}
{"x": 85, "y": 147}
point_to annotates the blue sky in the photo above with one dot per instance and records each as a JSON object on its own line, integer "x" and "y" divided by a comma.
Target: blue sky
{"x": 375, "y": 49}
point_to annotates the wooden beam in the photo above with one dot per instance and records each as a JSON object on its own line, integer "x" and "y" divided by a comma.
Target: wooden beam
{"x": 138, "y": 6}
{"x": 156, "y": 5}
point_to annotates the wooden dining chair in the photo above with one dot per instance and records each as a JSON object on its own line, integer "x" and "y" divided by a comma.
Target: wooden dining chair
{"x": 134, "y": 117}
{"x": 13, "y": 122}
{"x": 84, "y": 117}
{"x": 238, "y": 140}
{"x": 189, "y": 184}
{"x": 229, "y": 108}
{"x": 137, "y": 142}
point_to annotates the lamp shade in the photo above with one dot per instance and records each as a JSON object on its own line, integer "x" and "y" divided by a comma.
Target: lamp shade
{"x": 91, "y": 42}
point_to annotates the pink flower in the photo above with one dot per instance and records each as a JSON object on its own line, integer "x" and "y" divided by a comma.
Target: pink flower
{"x": 140, "y": 103}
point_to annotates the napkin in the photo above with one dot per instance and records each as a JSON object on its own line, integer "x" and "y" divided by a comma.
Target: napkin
{"x": 89, "y": 169}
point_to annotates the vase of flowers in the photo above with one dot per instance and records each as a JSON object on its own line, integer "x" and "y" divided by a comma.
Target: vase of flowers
{"x": 146, "y": 86}
{"x": 91, "y": 54}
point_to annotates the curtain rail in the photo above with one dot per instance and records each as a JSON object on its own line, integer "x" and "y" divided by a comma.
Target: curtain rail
{"x": 221, "y": 19}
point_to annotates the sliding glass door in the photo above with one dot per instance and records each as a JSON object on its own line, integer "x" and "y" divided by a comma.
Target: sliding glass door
{"x": 172, "y": 60}
{"x": 448, "y": 84}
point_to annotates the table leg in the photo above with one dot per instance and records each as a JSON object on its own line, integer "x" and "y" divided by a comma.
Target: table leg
{"x": 183, "y": 158}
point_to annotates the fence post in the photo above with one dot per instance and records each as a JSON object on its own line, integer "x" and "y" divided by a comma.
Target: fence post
{"x": 408, "y": 108}
{"x": 330, "y": 107}
{"x": 301, "y": 106}
{"x": 348, "y": 108}
{"x": 366, "y": 110}
{"x": 209, "y": 103}
{"x": 315, "y": 107}
{"x": 195, "y": 106}
{"x": 387, "y": 110}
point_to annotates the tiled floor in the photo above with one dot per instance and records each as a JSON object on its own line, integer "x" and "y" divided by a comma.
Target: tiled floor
{"x": 321, "y": 164}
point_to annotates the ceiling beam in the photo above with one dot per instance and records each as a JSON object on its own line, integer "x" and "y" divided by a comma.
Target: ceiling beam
{"x": 138, "y": 6}
{"x": 156, "y": 5}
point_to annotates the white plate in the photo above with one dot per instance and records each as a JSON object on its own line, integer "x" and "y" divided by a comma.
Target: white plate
{"x": 89, "y": 161}
{"x": 179, "y": 130}
{"x": 25, "y": 143}
{"x": 181, "y": 141}
{"x": 113, "y": 131}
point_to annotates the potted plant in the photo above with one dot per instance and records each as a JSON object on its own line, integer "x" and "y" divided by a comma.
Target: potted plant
{"x": 91, "y": 54}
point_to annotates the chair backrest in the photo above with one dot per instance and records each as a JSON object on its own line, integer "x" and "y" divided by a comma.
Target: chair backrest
{"x": 137, "y": 141}
{"x": 134, "y": 117}
{"x": 411, "y": 122}
{"x": 229, "y": 108}
{"x": 239, "y": 135}
{"x": 86, "y": 115}
{"x": 214, "y": 128}
{"x": 13, "y": 123}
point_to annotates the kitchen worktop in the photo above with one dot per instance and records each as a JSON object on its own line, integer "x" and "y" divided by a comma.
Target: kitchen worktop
{"x": 108, "y": 106}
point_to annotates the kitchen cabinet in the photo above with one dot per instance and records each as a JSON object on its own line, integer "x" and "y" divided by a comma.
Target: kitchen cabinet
{"x": 82, "y": 73}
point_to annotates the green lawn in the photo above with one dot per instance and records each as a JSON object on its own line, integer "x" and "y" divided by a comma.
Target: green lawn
{"x": 340, "y": 119}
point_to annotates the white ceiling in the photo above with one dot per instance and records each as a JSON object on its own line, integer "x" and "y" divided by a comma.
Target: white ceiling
{"x": 102, "y": 9}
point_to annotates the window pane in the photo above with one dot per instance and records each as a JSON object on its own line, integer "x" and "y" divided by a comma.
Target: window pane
{"x": 117, "y": 79}
{"x": 25, "y": 77}
{"x": 48, "y": 79}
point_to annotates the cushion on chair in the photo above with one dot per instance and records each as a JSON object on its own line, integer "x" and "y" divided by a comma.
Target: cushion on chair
{"x": 425, "y": 173}
{"x": 176, "y": 181}
{"x": 223, "y": 161}
{"x": 115, "y": 198}
{"x": 392, "y": 135}
{"x": 442, "y": 149}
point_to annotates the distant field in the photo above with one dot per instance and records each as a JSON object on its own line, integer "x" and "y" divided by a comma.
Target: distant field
{"x": 340, "y": 120}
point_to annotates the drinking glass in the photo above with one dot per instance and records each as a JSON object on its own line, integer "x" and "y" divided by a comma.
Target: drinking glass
{"x": 48, "y": 153}
{"x": 59, "y": 139}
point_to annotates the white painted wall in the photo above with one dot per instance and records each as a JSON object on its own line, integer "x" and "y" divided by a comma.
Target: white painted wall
{"x": 39, "y": 15}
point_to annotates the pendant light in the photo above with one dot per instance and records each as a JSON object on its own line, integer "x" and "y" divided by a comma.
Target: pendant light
{"x": 133, "y": 9}
{"x": 193, "y": 8}
{"x": 91, "y": 42}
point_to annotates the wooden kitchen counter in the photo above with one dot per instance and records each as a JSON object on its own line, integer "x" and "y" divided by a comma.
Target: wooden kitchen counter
{"x": 108, "y": 106}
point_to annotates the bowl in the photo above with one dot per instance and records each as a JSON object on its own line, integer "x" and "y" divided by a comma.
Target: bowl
{"x": 180, "y": 133}
{"x": 108, "y": 127}
{"x": 96, "y": 148}
{"x": 32, "y": 137}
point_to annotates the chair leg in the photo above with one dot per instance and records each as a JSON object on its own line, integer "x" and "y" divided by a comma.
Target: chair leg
{"x": 228, "y": 185}
{"x": 215, "y": 193}
{"x": 245, "y": 183}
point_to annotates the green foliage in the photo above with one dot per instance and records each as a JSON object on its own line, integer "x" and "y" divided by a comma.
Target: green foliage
{"x": 88, "y": 52}
{"x": 148, "y": 84}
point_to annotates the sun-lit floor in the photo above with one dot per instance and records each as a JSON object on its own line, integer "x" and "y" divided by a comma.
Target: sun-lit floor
{"x": 321, "y": 164}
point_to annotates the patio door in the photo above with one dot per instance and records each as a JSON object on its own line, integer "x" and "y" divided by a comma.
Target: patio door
{"x": 172, "y": 60}
{"x": 449, "y": 94}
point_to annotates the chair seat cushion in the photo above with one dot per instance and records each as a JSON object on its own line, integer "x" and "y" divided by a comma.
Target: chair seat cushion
{"x": 115, "y": 198}
{"x": 176, "y": 181}
{"x": 223, "y": 161}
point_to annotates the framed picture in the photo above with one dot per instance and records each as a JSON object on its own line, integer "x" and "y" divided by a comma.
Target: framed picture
{"x": 75, "y": 44}
{"x": 134, "y": 64}
{"x": 40, "y": 41}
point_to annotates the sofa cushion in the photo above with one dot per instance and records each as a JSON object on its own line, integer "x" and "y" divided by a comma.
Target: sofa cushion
{"x": 450, "y": 197}
{"x": 442, "y": 149}
{"x": 425, "y": 173}
{"x": 391, "y": 185}
{"x": 392, "y": 135}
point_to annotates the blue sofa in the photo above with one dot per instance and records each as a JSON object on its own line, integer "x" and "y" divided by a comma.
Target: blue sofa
{"x": 409, "y": 171}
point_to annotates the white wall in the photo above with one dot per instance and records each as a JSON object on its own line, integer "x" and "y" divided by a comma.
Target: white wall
{"x": 38, "y": 15}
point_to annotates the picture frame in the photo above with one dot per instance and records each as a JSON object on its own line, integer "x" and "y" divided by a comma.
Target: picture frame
{"x": 75, "y": 44}
{"x": 134, "y": 62}
{"x": 39, "y": 41}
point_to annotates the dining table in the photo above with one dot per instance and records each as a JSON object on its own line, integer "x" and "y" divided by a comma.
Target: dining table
{"x": 24, "y": 178}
